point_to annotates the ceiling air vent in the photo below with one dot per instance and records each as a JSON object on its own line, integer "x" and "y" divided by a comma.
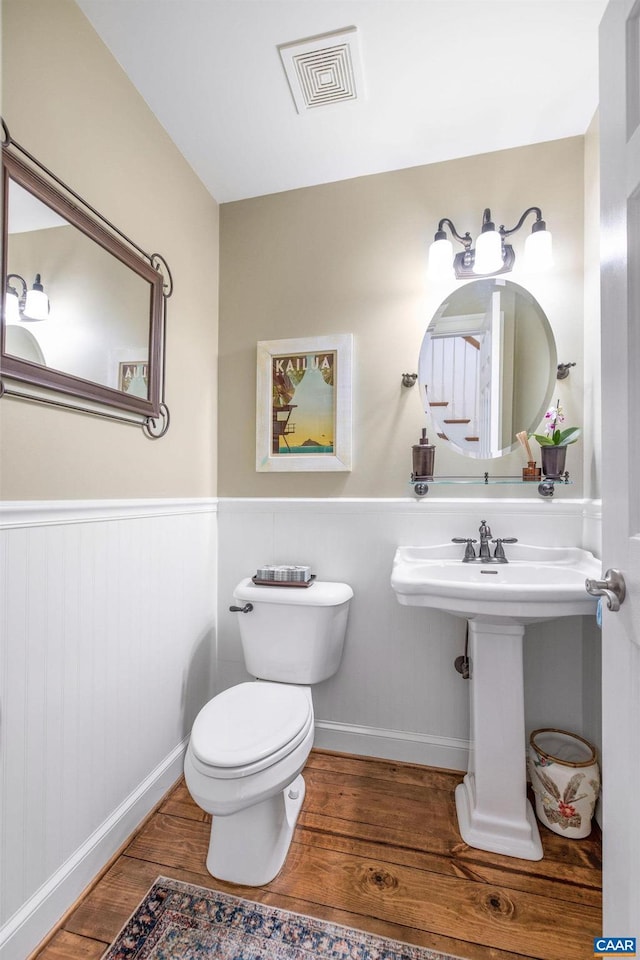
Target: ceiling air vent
{"x": 323, "y": 70}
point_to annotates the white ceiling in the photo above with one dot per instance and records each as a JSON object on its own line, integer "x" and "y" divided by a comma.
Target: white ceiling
{"x": 443, "y": 79}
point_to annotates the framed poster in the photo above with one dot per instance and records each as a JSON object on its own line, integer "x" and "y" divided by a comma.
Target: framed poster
{"x": 133, "y": 377}
{"x": 303, "y": 414}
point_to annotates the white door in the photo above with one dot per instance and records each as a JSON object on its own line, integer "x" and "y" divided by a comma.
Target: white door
{"x": 490, "y": 380}
{"x": 620, "y": 274}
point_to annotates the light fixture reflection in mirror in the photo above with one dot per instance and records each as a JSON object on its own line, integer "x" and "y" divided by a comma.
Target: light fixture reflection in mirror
{"x": 487, "y": 367}
{"x": 28, "y": 305}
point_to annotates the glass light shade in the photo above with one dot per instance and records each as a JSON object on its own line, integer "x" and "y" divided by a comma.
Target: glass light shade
{"x": 538, "y": 251}
{"x": 440, "y": 258}
{"x": 36, "y": 305}
{"x": 11, "y": 307}
{"x": 488, "y": 258}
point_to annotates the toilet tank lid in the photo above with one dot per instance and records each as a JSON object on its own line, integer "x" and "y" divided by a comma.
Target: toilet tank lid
{"x": 321, "y": 593}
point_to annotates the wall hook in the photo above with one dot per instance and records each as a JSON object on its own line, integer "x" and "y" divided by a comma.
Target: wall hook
{"x": 563, "y": 370}
{"x": 409, "y": 379}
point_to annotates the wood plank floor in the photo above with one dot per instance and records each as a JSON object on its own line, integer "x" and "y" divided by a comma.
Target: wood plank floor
{"x": 376, "y": 848}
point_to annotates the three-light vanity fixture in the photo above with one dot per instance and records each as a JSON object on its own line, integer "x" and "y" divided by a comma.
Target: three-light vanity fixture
{"x": 491, "y": 255}
{"x": 28, "y": 304}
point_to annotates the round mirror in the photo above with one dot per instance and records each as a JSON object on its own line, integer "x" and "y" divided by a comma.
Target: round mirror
{"x": 487, "y": 367}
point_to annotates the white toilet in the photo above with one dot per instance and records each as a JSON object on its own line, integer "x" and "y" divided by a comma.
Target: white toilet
{"x": 249, "y": 744}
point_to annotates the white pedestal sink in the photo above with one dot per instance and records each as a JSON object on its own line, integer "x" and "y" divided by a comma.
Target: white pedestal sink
{"x": 497, "y": 600}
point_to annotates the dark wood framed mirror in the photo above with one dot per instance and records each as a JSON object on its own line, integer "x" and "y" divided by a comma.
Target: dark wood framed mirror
{"x": 96, "y": 340}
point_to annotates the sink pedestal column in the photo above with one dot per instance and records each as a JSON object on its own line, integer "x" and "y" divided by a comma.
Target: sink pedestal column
{"x": 491, "y": 802}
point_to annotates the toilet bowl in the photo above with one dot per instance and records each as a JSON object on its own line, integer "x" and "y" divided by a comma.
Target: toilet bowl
{"x": 250, "y": 743}
{"x": 247, "y": 749}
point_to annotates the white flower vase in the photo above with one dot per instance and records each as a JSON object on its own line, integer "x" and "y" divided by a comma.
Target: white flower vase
{"x": 566, "y": 781}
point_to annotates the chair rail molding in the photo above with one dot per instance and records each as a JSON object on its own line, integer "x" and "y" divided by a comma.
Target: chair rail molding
{"x": 28, "y": 513}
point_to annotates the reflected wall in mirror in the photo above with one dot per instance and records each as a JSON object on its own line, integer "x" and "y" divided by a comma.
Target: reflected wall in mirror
{"x": 487, "y": 367}
{"x": 102, "y": 340}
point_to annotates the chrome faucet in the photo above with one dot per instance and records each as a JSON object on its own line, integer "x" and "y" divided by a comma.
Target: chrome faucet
{"x": 484, "y": 553}
{"x": 485, "y": 537}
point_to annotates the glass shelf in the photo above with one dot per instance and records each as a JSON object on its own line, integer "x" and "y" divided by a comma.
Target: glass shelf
{"x": 545, "y": 486}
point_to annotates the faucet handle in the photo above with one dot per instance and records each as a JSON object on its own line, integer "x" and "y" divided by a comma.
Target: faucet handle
{"x": 498, "y": 553}
{"x": 469, "y": 553}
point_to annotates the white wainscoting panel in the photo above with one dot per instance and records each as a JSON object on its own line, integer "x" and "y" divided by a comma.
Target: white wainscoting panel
{"x": 109, "y": 647}
{"x": 397, "y": 694}
{"x": 108, "y": 619}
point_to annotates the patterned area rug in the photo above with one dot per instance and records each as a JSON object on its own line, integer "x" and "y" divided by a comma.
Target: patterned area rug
{"x": 177, "y": 921}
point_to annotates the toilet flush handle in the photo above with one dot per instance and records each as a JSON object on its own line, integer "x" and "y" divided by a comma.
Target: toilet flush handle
{"x": 248, "y": 607}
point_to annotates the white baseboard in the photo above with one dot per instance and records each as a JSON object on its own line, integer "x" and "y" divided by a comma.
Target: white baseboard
{"x": 445, "y": 752}
{"x": 22, "y": 933}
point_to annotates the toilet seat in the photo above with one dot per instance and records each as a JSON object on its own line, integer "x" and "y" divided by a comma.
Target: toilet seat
{"x": 250, "y": 727}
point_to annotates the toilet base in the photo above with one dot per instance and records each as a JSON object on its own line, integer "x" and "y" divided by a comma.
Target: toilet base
{"x": 250, "y": 847}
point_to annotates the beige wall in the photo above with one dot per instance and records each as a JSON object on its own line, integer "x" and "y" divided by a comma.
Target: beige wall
{"x": 351, "y": 257}
{"x": 343, "y": 257}
{"x": 68, "y": 102}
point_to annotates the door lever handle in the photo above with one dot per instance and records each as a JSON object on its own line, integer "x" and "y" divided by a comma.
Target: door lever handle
{"x": 612, "y": 587}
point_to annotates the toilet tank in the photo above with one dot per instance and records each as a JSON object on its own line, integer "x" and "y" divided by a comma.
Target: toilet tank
{"x": 293, "y": 634}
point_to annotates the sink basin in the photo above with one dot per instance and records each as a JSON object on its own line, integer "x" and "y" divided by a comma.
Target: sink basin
{"x": 497, "y": 600}
{"x": 538, "y": 583}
